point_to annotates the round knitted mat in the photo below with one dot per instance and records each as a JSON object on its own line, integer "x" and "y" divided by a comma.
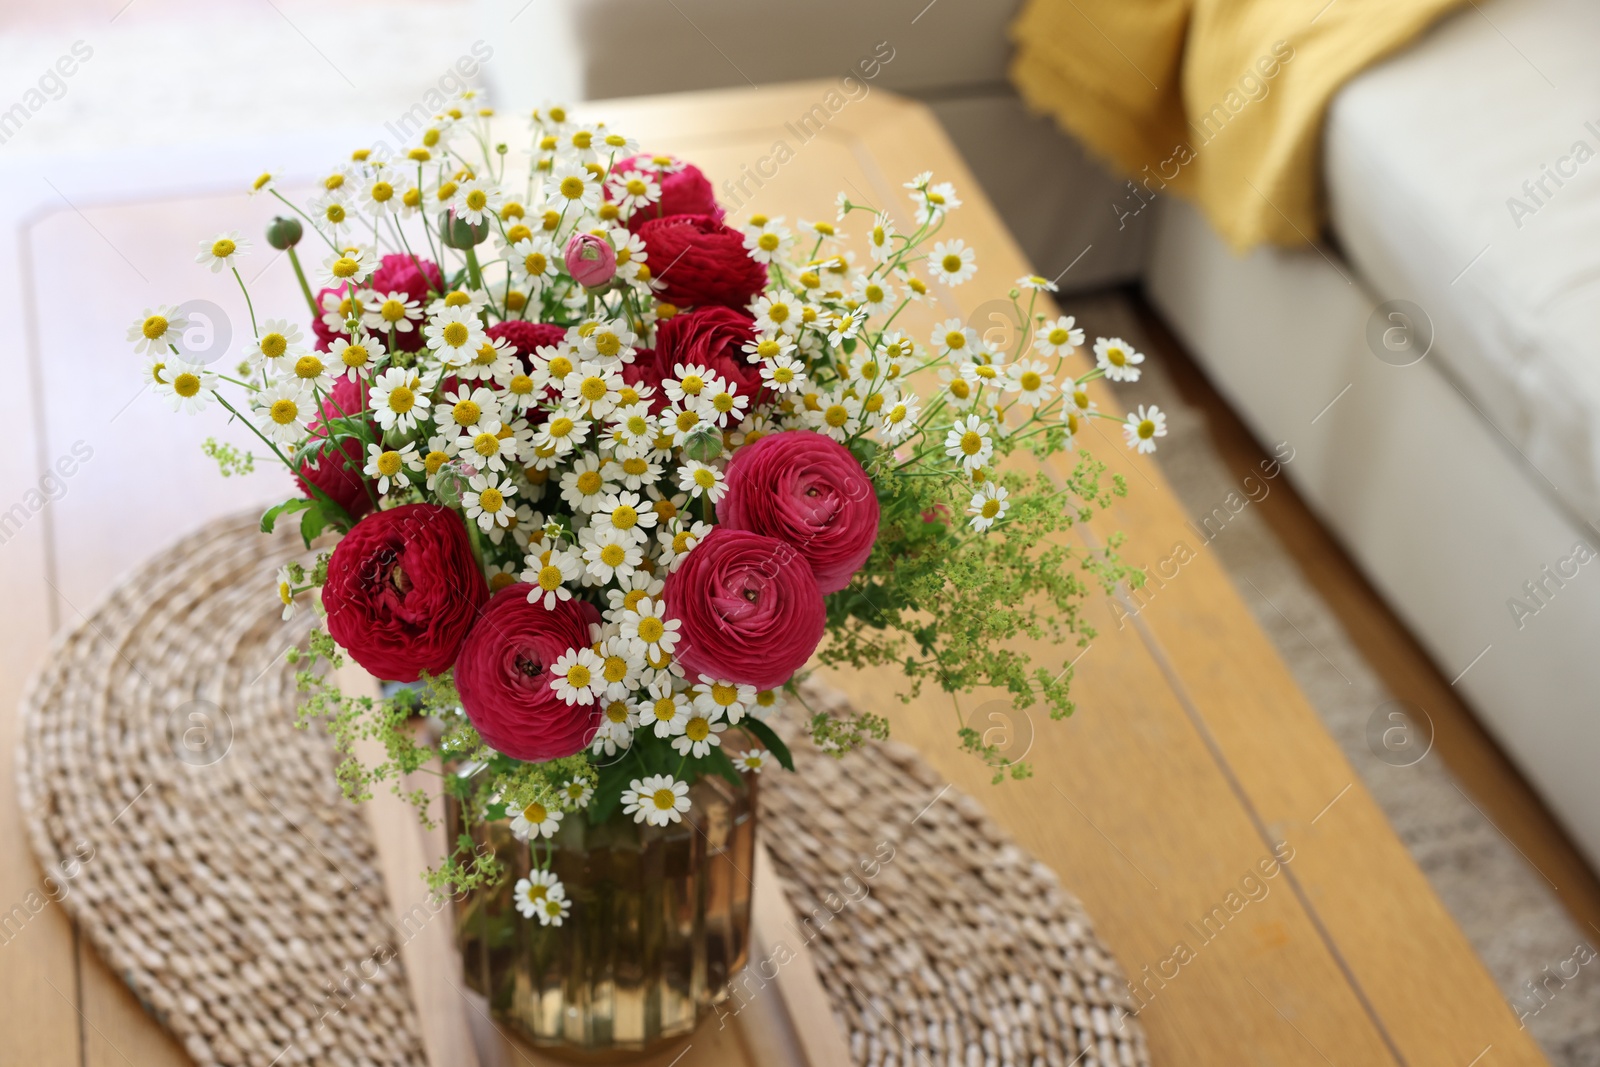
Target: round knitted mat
{"x": 213, "y": 863}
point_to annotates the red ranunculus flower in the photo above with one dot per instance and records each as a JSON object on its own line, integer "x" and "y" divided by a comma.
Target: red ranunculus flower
{"x": 700, "y": 261}
{"x": 807, "y": 489}
{"x": 683, "y": 192}
{"x": 646, "y": 370}
{"x": 749, "y": 608}
{"x": 403, "y": 589}
{"x": 527, "y": 337}
{"x": 502, "y": 676}
{"x": 337, "y": 470}
{"x": 712, "y": 337}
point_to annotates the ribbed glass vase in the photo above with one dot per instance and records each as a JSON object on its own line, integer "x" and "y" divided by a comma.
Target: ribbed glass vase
{"x": 660, "y": 921}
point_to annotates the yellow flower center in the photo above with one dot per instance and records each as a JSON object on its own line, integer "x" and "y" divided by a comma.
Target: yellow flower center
{"x": 651, "y": 629}
{"x": 487, "y": 354}
{"x": 549, "y": 578}
{"x": 1031, "y": 380}
{"x": 433, "y": 461}
{"x": 560, "y": 367}
{"x": 154, "y": 327}
{"x": 960, "y": 389}
{"x": 222, "y": 248}
{"x": 307, "y": 367}
{"x": 697, "y": 729}
{"x": 617, "y": 711}
{"x": 334, "y": 213}
{"x": 955, "y": 340}
{"x": 186, "y": 384}
{"x": 687, "y": 420}
{"x": 561, "y": 426}
{"x": 624, "y": 517}
{"x": 613, "y": 555}
{"x": 616, "y": 669}
{"x": 466, "y": 413}
{"x": 477, "y": 200}
{"x": 593, "y": 389}
{"x": 578, "y": 676}
{"x": 991, "y": 508}
{"x": 455, "y": 334}
{"x": 354, "y": 355}
{"x": 768, "y": 242}
{"x": 1059, "y": 337}
{"x": 382, "y": 192}
{"x": 589, "y": 482}
{"x": 273, "y": 345}
{"x": 836, "y": 415}
{"x": 665, "y": 799}
{"x": 284, "y": 412}
{"x": 345, "y": 266}
{"x": 1147, "y": 429}
{"x": 1116, "y": 356}
{"x": 535, "y": 813}
{"x": 486, "y": 444}
{"x": 951, "y": 263}
{"x": 389, "y": 464}
{"x": 631, "y": 601}
{"x": 705, "y": 478}
{"x": 665, "y": 708}
{"x": 972, "y": 442}
{"x": 572, "y": 187}
{"x": 682, "y": 541}
{"x": 778, "y": 312}
{"x": 491, "y": 500}
{"x": 724, "y": 694}
{"x": 635, "y": 466}
{"x": 401, "y": 399}
{"x": 535, "y": 263}
{"x": 520, "y": 385}
{"x": 607, "y": 343}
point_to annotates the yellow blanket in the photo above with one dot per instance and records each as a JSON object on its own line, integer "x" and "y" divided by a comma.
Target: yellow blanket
{"x": 1220, "y": 101}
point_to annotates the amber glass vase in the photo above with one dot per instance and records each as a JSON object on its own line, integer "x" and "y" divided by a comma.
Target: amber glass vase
{"x": 660, "y": 921}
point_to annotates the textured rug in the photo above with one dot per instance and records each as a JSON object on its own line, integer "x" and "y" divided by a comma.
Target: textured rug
{"x": 1546, "y": 966}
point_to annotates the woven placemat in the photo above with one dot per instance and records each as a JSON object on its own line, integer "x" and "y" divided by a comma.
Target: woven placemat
{"x": 238, "y": 895}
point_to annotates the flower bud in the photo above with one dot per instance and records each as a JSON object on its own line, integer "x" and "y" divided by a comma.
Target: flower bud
{"x": 703, "y": 445}
{"x": 284, "y": 233}
{"x": 450, "y": 484}
{"x": 460, "y": 234}
{"x": 591, "y": 260}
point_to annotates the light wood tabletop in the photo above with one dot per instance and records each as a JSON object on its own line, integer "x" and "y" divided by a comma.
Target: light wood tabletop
{"x": 1193, "y": 766}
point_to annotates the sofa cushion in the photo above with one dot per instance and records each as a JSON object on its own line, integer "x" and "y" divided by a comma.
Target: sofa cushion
{"x": 1462, "y": 179}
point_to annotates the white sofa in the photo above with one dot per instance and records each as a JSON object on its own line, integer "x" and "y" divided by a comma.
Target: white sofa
{"x": 1464, "y": 483}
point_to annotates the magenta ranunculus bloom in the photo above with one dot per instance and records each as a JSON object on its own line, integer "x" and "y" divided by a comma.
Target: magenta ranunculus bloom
{"x": 403, "y": 590}
{"x": 502, "y": 676}
{"x": 748, "y": 607}
{"x": 591, "y": 260}
{"x": 699, "y": 261}
{"x": 807, "y": 489}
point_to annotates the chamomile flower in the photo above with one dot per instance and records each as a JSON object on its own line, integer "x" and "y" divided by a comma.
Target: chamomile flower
{"x": 1033, "y": 385}
{"x": 159, "y": 329}
{"x": 626, "y": 512}
{"x": 618, "y": 719}
{"x": 783, "y": 374}
{"x": 485, "y": 500}
{"x": 899, "y": 420}
{"x": 1058, "y": 337}
{"x": 663, "y": 710}
{"x": 548, "y": 572}
{"x": 622, "y": 666}
{"x": 988, "y": 506}
{"x": 699, "y": 733}
{"x": 572, "y": 188}
{"x": 934, "y": 200}
{"x": 609, "y": 553}
{"x": 776, "y": 313}
{"x": 394, "y": 311}
{"x": 768, "y": 241}
{"x": 636, "y": 471}
{"x": 399, "y": 399}
{"x": 187, "y": 387}
{"x": 534, "y": 890}
{"x": 1143, "y": 426}
{"x": 489, "y": 446}
{"x": 1117, "y": 358}
{"x": 754, "y": 760}
{"x": 678, "y": 540}
{"x": 724, "y": 403}
{"x": 576, "y": 677}
{"x": 969, "y": 442}
{"x": 354, "y": 360}
{"x": 219, "y": 252}
{"x": 837, "y": 416}
{"x": 392, "y": 466}
{"x": 657, "y": 799}
{"x": 629, "y": 591}
{"x": 311, "y": 374}
{"x": 475, "y": 200}
{"x": 634, "y": 190}
{"x": 577, "y": 792}
{"x": 278, "y": 346}
{"x": 332, "y": 211}
{"x": 724, "y": 698}
{"x": 954, "y": 339}
{"x": 880, "y": 239}
{"x": 534, "y": 261}
{"x": 553, "y": 910}
{"x": 697, "y": 479}
{"x": 587, "y": 482}
{"x": 952, "y": 262}
{"x": 285, "y": 586}
{"x": 593, "y": 389}
{"x": 647, "y": 627}
{"x": 536, "y": 821}
{"x": 349, "y": 266}
{"x": 874, "y": 294}
{"x": 454, "y": 335}
{"x": 561, "y": 433}
{"x": 285, "y": 409}
{"x": 1037, "y": 284}
{"x": 632, "y": 255}
{"x": 472, "y": 410}
{"x": 378, "y": 197}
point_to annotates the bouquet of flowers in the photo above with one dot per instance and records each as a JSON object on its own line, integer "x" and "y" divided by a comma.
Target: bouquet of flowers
{"x": 608, "y": 469}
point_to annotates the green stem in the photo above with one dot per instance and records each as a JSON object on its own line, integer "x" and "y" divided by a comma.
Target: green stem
{"x": 305, "y": 286}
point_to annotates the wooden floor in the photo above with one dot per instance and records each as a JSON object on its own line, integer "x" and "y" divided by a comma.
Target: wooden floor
{"x": 1390, "y": 649}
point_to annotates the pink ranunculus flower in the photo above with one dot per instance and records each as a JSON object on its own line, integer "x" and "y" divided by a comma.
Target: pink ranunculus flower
{"x": 808, "y": 490}
{"x": 503, "y": 676}
{"x": 749, "y": 610}
{"x": 591, "y": 260}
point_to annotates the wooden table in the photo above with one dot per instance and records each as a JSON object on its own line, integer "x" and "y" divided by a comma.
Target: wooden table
{"x": 1192, "y": 759}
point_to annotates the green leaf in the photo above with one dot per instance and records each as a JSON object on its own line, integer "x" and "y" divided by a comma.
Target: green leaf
{"x": 772, "y": 741}
{"x": 312, "y": 523}
{"x": 270, "y": 518}
{"x": 608, "y": 793}
{"x": 717, "y": 762}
